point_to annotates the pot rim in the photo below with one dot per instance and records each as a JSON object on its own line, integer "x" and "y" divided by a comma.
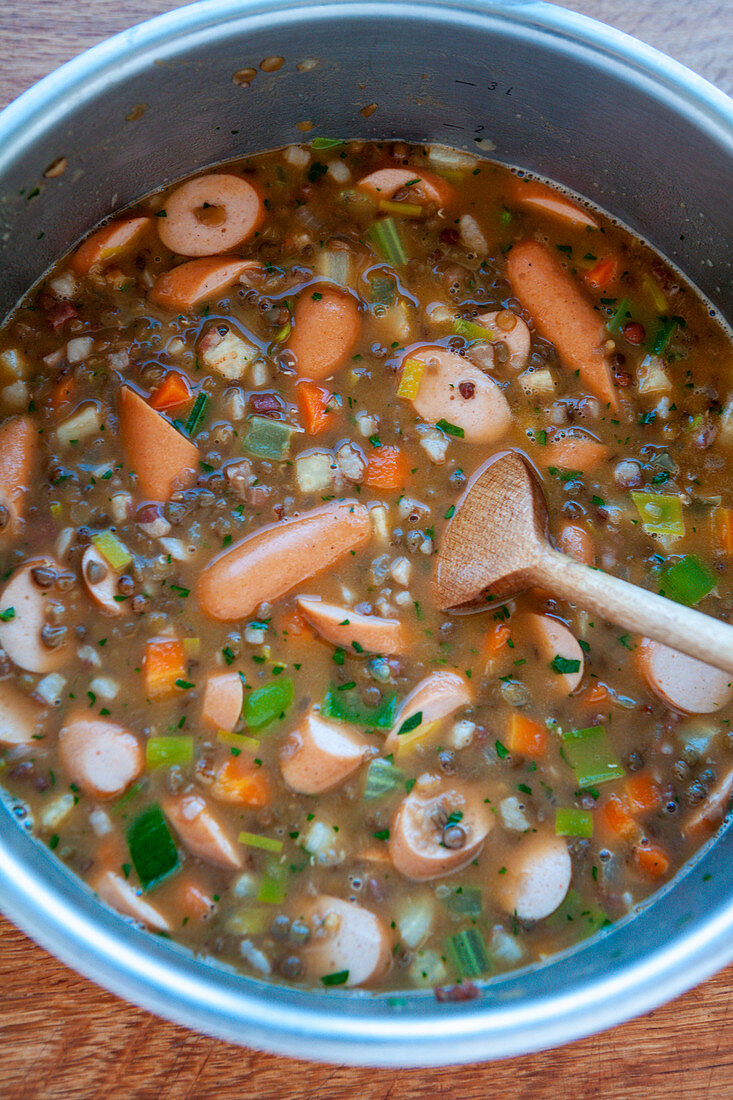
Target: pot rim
{"x": 58, "y": 911}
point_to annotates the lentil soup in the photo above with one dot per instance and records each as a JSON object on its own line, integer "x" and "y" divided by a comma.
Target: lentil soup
{"x": 236, "y": 421}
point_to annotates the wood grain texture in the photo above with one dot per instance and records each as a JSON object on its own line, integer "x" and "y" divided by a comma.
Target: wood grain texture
{"x": 62, "y": 1037}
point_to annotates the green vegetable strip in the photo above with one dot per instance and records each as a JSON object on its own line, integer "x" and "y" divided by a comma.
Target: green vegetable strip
{"x": 151, "y": 846}
{"x": 572, "y": 822}
{"x": 590, "y": 756}
{"x": 579, "y": 916}
{"x": 196, "y": 414}
{"x": 346, "y": 706}
{"x": 112, "y": 549}
{"x": 382, "y": 291}
{"x": 384, "y": 235}
{"x": 269, "y": 703}
{"x": 381, "y": 779}
{"x": 274, "y": 886}
{"x": 326, "y": 143}
{"x": 450, "y": 429}
{"x": 267, "y": 438}
{"x": 687, "y": 581}
{"x": 662, "y": 336}
{"x": 468, "y": 954}
{"x": 338, "y": 978}
{"x": 469, "y": 330}
{"x": 265, "y": 843}
{"x": 465, "y": 900}
{"x": 661, "y": 514}
{"x": 620, "y": 317}
{"x": 163, "y": 752}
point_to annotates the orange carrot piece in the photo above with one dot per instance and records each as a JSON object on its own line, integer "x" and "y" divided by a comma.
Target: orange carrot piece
{"x": 242, "y": 782}
{"x": 313, "y": 404}
{"x": 164, "y": 663}
{"x": 721, "y": 521}
{"x": 652, "y": 860}
{"x": 527, "y": 738}
{"x": 641, "y": 793}
{"x": 603, "y": 273}
{"x": 388, "y": 469}
{"x": 193, "y": 900}
{"x": 172, "y": 392}
{"x": 62, "y": 391}
{"x": 597, "y": 695}
{"x": 295, "y": 625}
{"x": 495, "y": 642}
{"x": 616, "y": 820}
{"x": 579, "y": 453}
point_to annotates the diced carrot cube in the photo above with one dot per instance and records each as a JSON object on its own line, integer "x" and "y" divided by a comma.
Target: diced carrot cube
{"x": 163, "y": 664}
{"x": 616, "y": 820}
{"x": 193, "y": 900}
{"x": 527, "y": 738}
{"x": 294, "y": 625}
{"x": 651, "y": 859}
{"x": 62, "y": 391}
{"x": 496, "y": 641}
{"x": 603, "y": 273}
{"x": 242, "y": 782}
{"x": 388, "y": 468}
{"x": 641, "y": 793}
{"x": 313, "y": 404}
{"x": 172, "y": 393}
{"x": 596, "y": 695}
{"x": 722, "y": 529}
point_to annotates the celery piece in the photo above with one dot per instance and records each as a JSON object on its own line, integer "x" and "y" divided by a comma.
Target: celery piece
{"x": 274, "y": 886}
{"x": 267, "y": 438}
{"x": 410, "y": 378}
{"x": 265, "y": 843}
{"x": 336, "y": 265}
{"x": 401, "y": 209}
{"x": 687, "y": 581}
{"x": 468, "y": 954}
{"x": 266, "y": 704}
{"x": 196, "y": 414}
{"x": 661, "y": 337}
{"x": 237, "y": 740}
{"x": 346, "y": 706}
{"x": 469, "y": 330}
{"x": 465, "y": 900}
{"x": 382, "y": 291}
{"x": 591, "y": 757}
{"x": 572, "y": 822}
{"x": 585, "y": 918}
{"x": 381, "y": 779}
{"x": 152, "y": 849}
{"x": 620, "y": 317}
{"x": 164, "y": 752}
{"x": 255, "y": 920}
{"x": 384, "y": 235}
{"x": 655, "y": 292}
{"x": 326, "y": 143}
{"x": 112, "y": 549}
{"x": 661, "y": 514}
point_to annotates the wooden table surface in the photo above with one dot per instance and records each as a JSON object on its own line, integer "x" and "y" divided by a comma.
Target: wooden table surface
{"x": 61, "y": 1036}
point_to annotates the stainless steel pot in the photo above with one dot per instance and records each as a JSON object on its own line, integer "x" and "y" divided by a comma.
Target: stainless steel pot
{"x": 529, "y": 84}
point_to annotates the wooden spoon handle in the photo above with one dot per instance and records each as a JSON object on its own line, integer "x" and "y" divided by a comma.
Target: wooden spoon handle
{"x": 637, "y": 609}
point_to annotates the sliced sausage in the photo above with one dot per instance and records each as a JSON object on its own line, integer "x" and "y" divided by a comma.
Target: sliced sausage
{"x": 99, "y": 756}
{"x": 537, "y": 877}
{"x": 200, "y": 830}
{"x": 20, "y": 636}
{"x": 423, "y": 186}
{"x": 578, "y": 453}
{"x": 108, "y": 243}
{"x": 326, "y": 327}
{"x": 162, "y": 458}
{"x": 223, "y": 701}
{"x": 266, "y": 565}
{"x": 710, "y": 812}
{"x": 438, "y": 830}
{"x": 532, "y": 195}
{"x": 575, "y": 541}
{"x": 435, "y": 697}
{"x": 550, "y": 639}
{"x": 563, "y": 315}
{"x": 453, "y": 390}
{"x": 18, "y": 445}
{"x": 682, "y": 682}
{"x": 344, "y": 938}
{"x": 319, "y": 755}
{"x": 342, "y": 627}
{"x": 510, "y": 330}
{"x": 21, "y": 718}
{"x": 103, "y": 590}
{"x": 198, "y": 281}
{"x": 213, "y": 213}
{"x": 123, "y": 897}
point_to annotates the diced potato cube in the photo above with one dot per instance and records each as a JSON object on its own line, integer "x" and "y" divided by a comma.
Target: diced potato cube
{"x": 651, "y": 377}
{"x": 230, "y": 357}
{"x": 14, "y": 363}
{"x": 537, "y": 383}
{"x": 314, "y": 472}
{"x": 56, "y": 811}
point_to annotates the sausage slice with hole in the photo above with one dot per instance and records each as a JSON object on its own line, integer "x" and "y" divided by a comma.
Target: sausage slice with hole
{"x": 537, "y": 877}
{"x": 420, "y": 845}
{"x": 345, "y": 938}
{"x": 319, "y": 755}
{"x": 201, "y": 831}
{"x": 99, "y": 756}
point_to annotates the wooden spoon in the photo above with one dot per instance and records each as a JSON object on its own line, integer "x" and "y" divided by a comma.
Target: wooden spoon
{"x": 497, "y": 544}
